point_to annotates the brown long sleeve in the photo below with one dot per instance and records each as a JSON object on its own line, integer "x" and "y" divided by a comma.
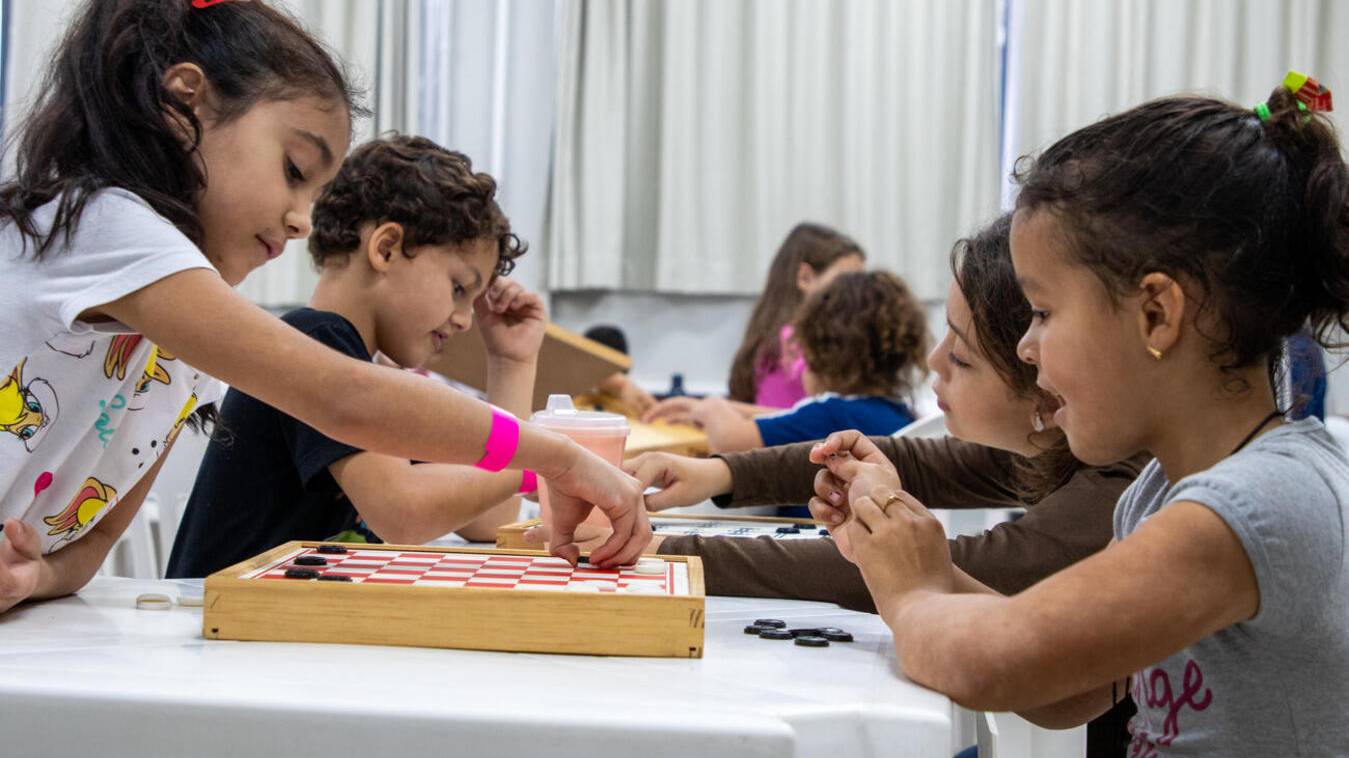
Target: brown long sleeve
{"x": 941, "y": 472}
{"x": 1066, "y": 526}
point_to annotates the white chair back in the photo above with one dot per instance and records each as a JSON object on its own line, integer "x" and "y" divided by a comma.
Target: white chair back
{"x": 927, "y": 426}
{"x": 1007, "y": 735}
{"x": 1338, "y": 426}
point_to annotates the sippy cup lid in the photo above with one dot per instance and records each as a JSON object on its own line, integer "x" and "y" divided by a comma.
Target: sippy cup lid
{"x": 561, "y": 413}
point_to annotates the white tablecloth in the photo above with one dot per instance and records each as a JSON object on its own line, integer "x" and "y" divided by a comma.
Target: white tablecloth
{"x": 90, "y": 675}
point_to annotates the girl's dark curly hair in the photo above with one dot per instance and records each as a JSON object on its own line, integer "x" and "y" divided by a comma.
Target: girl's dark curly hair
{"x": 1000, "y": 315}
{"x": 431, "y": 192}
{"x": 102, "y": 117}
{"x": 815, "y": 245}
{"x": 1252, "y": 215}
{"x": 864, "y": 334}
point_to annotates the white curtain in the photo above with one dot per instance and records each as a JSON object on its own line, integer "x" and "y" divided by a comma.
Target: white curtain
{"x": 35, "y": 27}
{"x": 1072, "y": 61}
{"x": 488, "y": 72}
{"x": 692, "y": 136}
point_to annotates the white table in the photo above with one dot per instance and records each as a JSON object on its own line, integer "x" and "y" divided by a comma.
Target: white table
{"x": 91, "y": 675}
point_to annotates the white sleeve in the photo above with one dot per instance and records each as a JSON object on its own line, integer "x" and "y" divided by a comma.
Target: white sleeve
{"x": 120, "y": 246}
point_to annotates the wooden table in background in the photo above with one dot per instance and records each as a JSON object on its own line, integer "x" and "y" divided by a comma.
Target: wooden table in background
{"x": 657, "y": 437}
{"x": 665, "y": 438}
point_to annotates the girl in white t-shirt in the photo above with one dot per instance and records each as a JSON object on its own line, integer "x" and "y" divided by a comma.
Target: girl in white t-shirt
{"x": 173, "y": 150}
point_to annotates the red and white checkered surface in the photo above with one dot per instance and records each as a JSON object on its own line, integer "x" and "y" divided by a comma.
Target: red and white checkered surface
{"x": 371, "y": 565}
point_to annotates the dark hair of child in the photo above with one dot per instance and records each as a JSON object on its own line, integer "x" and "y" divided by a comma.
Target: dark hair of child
{"x": 864, "y": 334}
{"x": 609, "y": 336}
{"x": 1000, "y": 315}
{"x": 102, "y": 117}
{"x": 431, "y": 192}
{"x": 813, "y": 244}
{"x": 1249, "y": 215}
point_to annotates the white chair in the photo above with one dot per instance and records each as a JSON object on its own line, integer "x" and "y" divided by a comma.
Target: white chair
{"x": 1338, "y": 426}
{"x": 927, "y": 426}
{"x": 1007, "y": 735}
{"x": 142, "y": 552}
{"x": 172, "y": 489}
{"x": 133, "y": 555}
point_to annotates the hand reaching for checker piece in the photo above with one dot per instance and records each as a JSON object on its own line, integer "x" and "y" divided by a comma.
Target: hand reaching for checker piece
{"x": 851, "y": 461}
{"x": 897, "y": 543}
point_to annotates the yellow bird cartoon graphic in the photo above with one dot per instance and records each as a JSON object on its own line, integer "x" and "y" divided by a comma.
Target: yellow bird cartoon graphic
{"x": 93, "y": 497}
{"x": 26, "y": 409}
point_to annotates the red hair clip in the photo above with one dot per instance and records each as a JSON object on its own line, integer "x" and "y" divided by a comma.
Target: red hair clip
{"x": 209, "y": 3}
{"x": 1313, "y": 94}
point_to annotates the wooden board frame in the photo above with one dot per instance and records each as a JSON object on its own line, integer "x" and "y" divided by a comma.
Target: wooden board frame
{"x": 473, "y": 618}
{"x": 511, "y": 536}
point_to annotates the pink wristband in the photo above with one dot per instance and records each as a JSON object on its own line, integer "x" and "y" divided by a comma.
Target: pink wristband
{"x": 529, "y": 482}
{"x": 502, "y": 442}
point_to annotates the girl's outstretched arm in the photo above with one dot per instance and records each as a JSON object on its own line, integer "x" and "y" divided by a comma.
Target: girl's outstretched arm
{"x": 198, "y": 317}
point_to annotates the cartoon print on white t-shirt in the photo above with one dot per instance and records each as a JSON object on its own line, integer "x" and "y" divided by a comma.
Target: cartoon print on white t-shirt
{"x": 81, "y": 511}
{"x": 27, "y": 409}
{"x": 186, "y": 411}
{"x": 119, "y": 355}
{"x": 76, "y": 346}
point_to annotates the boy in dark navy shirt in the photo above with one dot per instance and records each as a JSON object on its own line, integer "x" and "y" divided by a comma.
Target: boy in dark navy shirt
{"x": 410, "y": 244}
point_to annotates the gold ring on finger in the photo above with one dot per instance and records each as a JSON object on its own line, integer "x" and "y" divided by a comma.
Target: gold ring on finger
{"x": 889, "y": 501}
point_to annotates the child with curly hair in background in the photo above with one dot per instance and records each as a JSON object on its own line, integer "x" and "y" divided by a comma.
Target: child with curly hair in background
{"x": 864, "y": 338}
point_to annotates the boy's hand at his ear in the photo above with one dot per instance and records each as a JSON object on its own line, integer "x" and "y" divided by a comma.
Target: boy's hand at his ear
{"x": 512, "y": 320}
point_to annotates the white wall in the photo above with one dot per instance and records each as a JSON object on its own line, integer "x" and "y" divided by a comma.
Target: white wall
{"x": 693, "y": 335}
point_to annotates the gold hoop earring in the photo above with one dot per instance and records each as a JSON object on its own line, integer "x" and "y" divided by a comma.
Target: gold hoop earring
{"x": 1156, "y": 354}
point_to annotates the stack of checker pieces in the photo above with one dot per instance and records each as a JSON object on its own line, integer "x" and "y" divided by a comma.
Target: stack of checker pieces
{"x": 776, "y": 629}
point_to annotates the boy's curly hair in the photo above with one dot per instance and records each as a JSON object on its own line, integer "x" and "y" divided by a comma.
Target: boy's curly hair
{"x": 432, "y": 192}
{"x": 864, "y": 334}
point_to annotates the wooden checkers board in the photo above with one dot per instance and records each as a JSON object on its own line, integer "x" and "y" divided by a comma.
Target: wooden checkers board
{"x": 477, "y": 599}
{"x": 684, "y": 524}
